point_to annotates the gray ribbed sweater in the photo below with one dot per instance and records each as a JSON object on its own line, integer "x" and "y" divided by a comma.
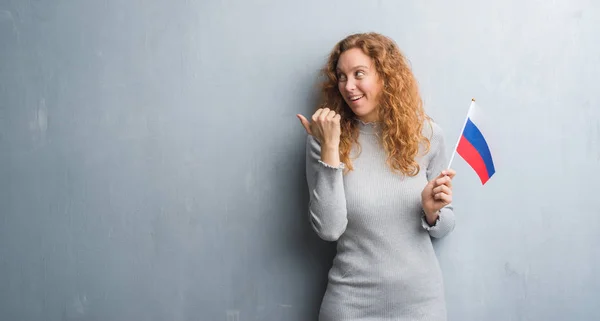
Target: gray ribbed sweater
{"x": 385, "y": 267}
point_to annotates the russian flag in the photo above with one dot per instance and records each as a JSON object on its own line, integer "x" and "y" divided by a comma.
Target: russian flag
{"x": 473, "y": 147}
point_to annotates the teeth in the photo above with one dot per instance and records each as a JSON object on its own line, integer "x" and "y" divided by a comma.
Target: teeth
{"x": 355, "y": 98}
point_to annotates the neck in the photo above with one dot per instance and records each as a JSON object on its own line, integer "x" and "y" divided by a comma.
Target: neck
{"x": 369, "y": 119}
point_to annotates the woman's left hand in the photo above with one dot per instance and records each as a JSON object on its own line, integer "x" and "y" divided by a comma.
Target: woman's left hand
{"x": 437, "y": 194}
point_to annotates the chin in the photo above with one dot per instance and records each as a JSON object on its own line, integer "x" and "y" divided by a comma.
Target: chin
{"x": 362, "y": 111}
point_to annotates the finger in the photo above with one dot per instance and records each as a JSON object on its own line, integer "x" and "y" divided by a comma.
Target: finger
{"x": 305, "y": 123}
{"x": 449, "y": 172}
{"x": 331, "y": 115}
{"x": 337, "y": 118}
{"x": 317, "y": 113}
{"x": 442, "y": 189}
{"x": 443, "y": 197}
{"x": 324, "y": 113}
{"x": 444, "y": 180}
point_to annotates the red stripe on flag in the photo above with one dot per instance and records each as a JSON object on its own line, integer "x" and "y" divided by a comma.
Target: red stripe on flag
{"x": 472, "y": 157}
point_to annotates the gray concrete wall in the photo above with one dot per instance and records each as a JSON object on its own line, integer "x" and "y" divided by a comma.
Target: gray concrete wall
{"x": 152, "y": 168}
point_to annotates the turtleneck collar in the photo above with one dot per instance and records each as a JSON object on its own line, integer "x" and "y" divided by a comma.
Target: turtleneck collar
{"x": 372, "y": 128}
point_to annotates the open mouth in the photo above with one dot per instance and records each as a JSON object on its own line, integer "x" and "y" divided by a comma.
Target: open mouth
{"x": 355, "y": 98}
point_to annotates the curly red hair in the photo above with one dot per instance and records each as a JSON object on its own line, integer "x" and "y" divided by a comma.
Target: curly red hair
{"x": 400, "y": 105}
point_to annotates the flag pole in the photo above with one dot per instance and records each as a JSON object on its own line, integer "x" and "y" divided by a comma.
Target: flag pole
{"x": 461, "y": 131}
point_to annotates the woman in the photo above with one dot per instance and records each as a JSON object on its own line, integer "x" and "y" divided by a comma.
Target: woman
{"x": 378, "y": 186}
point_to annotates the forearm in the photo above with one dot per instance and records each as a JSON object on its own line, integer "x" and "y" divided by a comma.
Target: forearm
{"x": 328, "y": 215}
{"x": 327, "y": 208}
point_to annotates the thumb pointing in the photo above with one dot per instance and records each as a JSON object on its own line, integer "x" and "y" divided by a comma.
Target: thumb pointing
{"x": 305, "y": 123}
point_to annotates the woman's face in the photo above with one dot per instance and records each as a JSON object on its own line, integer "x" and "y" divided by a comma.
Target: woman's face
{"x": 359, "y": 84}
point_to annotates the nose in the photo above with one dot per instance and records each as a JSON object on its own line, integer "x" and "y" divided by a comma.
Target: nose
{"x": 350, "y": 85}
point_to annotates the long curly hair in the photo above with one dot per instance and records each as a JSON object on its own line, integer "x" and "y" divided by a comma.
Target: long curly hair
{"x": 400, "y": 107}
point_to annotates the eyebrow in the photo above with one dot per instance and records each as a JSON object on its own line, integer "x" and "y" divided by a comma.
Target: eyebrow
{"x": 357, "y": 67}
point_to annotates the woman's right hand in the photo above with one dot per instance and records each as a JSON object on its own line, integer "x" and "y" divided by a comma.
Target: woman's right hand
{"x": 325, "y": 126}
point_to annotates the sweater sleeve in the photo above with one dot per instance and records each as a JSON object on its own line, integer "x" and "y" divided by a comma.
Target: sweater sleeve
{"x": 438, "y": 162}
{"x": 327, "y": 205}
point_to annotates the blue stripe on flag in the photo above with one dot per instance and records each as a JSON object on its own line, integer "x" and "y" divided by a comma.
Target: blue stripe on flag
{"x": 474, "y": 136}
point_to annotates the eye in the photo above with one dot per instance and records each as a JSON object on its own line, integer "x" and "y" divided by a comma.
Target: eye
{"x": 360, "y": 74}
{"x": 341, "y": 77}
